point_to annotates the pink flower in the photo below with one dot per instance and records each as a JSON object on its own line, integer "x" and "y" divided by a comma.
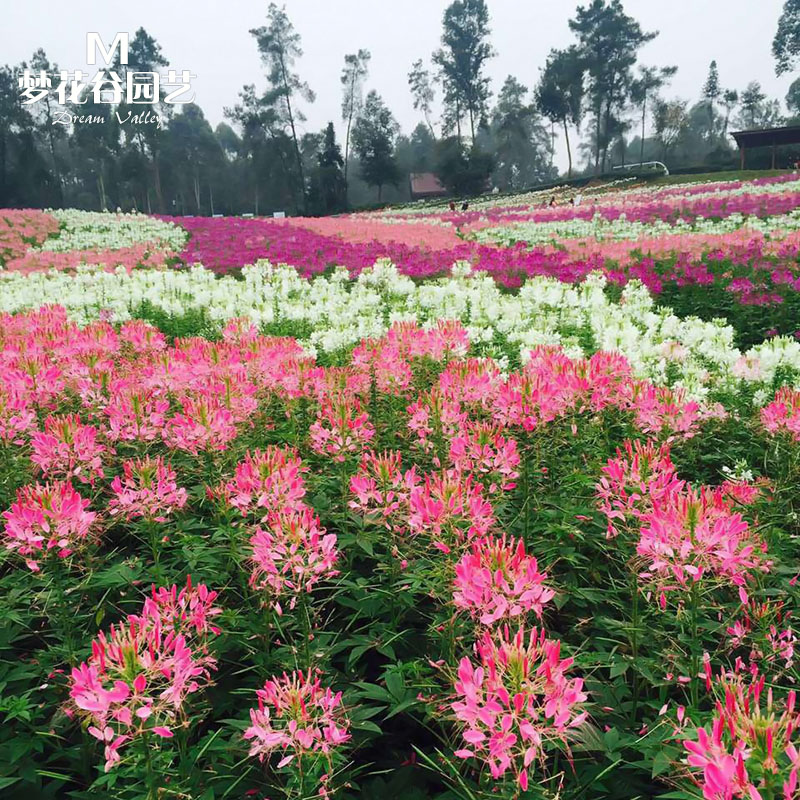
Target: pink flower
{"x": 751, "y": 734}
{"x": 135, "y": 413}
{"x": 17, "y": 416}
{"x": 480, "y": 449}
{"x": 148, "y": 488}
{"x": 269, "y": 480}
{"x": 140, "y": 675}
{"x": 68, "y": 449}
{"x": 381, "y": 488}
{"x": 517, "y": 701}
{"x": 690, "y": 535}
{"x": 497, "y": 580}
{"x": 205, "y": 423}
{"x": 341, "y": 429}
{"x": 449, "y": 508}
{"x": 291, "y": 554}
{"x": 49, "y": 518}
{"x": 298, "y": 719}
{"x": 639, "y": 476}
{"x": 782, "y": 415}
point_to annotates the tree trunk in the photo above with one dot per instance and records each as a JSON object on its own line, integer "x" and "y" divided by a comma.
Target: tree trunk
{"x": 710, "y": 121}
{"x": 211, "y": 199}
{"x": 641, "y": 147}
{"x": 569, "y": 149}
{"x": 349, "y": 122}
{"x": 298, "y": 157}
{"x": 430, "y": 125}
{"x": 101, "y": 189}
{"x": 3, "y": 197}
{"x": 597, "y": 142}
{"x": 157, "y": 180}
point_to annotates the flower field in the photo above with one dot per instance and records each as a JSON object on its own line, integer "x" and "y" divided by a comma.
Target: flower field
{"x": 499, "y": 503}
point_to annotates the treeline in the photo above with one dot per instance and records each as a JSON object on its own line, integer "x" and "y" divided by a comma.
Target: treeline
{"x": 594, "y": 95}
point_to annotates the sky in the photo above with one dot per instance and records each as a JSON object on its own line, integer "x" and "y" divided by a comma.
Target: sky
{"x": 211, "y": 39}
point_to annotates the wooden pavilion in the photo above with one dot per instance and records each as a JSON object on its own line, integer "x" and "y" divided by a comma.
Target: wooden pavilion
{"x": 765, "y": 137}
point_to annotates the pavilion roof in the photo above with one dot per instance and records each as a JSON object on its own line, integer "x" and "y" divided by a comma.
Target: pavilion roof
{"x": 767, "y": 137}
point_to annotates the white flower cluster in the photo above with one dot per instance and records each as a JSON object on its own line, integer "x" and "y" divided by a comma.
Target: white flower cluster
{"x": 334, "y": 312}
{"x": 99, "y": 230}
{"x": 622, "y": 229}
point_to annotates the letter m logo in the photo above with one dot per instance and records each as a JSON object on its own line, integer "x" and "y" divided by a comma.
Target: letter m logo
{"x": 94, "y": 45}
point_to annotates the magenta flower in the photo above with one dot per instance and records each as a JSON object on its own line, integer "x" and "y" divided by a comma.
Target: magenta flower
{"x": 299, "y": 720}
{"x": 148, "y": 488}
{"x": 482, "y": 450}
{"x": 517, "y": 702}
{"x": 450, "y": 509}
{"x": 68, "y": 449}
{"x": 268, "y": 480}
{"x": 497, "y": 580}
{"x": 381, "y": 488}
{"x": 45, "y": 519}
{"x": 752, "y": 743}
{"x": 782, "y": 415}
{"x": 689, "y": 536}
{"x": 341, "y": 429}
{"x": 291, "y": 554}
{"x": 140, "y": 675}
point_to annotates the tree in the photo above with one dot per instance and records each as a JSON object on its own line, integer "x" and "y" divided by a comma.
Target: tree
{"x": 711, "y": 92}
{"x": 793, "y": 97}
{"x": 14, "y": 118}
{"x": 279, "y": 46}
{"x": 356, "y": 66}
{"x": 670, "y": 120}
{"x": 730, "y": 99}
{"x": 194, "y": 154}
{"x": 332, "y": 186}
{"x": 520, "y": 142}
{"x": 419, "y": 81}
{"x": 644, "y": 88}
{"x": 266, "y": 148}
{"x": 559, "y": 94}
{"x": 786, "y": 44}
{"x": 756, "y": 110}
{"x": 608, "y": 42}
{"x": 462, "y": 170}
{"x": 462, "y": 58}
{"x": 373, "y": 141}
{"x": 43, "y": 116}
{"x": 145, "y": 55}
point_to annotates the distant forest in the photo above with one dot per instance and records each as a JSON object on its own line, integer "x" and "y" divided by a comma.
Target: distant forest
{"x": 607, "y": 108}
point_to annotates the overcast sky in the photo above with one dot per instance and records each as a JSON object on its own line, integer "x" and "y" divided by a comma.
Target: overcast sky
{"x": 210, "y": 38}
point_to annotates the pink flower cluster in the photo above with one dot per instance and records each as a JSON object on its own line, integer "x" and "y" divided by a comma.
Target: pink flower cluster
{"x": 782, "y": 415}
{"x": 685, "y": 534}
{"x": 148, "y": 488}
{"x": 516, "y": 701}
{"x": 291, "y": 553}
{"x": 141, "y": 673}
{"x": 266, "y": 480}
{"x": 750, "y": 751}
{"x": 146, "y": 255}
{"x": 22, "y": 229}
{"x": 297, "y": 718}
{"x": 497, "y": 580}
{"x": 68, "y": 449}
{"x": 47, "y": 519}
{"x": 382, "y": 489}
